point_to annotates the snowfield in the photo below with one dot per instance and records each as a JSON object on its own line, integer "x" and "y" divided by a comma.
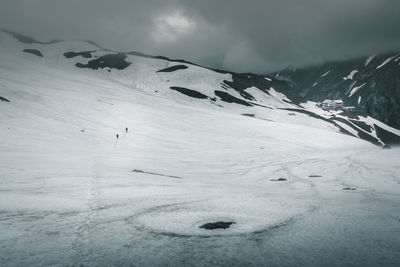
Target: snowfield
{"x": 71, "y": 193}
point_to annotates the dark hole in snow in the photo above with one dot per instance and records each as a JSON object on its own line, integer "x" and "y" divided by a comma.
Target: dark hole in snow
{"x": 315, "y": 176}
{"x": 279, "y": 180}
{"x": 3, "y": 99}
{"x": 216, "y": 225}
{"x": 174, "y": 68}
{"x": 33, "y": 52}
{"x": 349, "y": 189}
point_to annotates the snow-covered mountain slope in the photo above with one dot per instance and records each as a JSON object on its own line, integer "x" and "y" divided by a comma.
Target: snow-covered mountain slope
{"x": 202, "y": 146}
{"x": 162, "y": 77}
{"x": 371, "y": 84}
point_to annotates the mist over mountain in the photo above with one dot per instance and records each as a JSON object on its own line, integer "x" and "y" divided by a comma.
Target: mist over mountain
{"x": 370, "y": 84}
{"x": 260, "y": 36}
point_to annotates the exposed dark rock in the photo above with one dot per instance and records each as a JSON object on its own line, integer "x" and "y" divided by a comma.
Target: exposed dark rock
{"x": 279, "y": 180}
{"x": 349, "y": 189}
{"x": 111, "y": 61}
{"x": 174, "y": 68}
{"x": 362, "y": 125}
{"x": 33, "y": 52}
{"x": 361, "y": 134}
{"x": 138, "y": 54}
{"x": 386, "y": 147}
{"x": 316, "y": 116}
{"x": 255, "y": 104}
{"x": 379, "y": 95}
{"x": 189, "y": 92}
{"x": 3, "y": 99}
{"x": 217, "y": 225}
{"x": 230, "y": 99}
{"x": 249, "y": 115}
{"x": 242, "y": 81}
{"x": 314, "y": 176}
{"x": 85, "y": 54}
{"x": 387, "y": 137}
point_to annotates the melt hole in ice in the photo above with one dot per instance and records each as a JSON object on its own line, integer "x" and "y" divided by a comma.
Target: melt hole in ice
{"x": 216, "y": 225}
{"x": 279, "y": 180}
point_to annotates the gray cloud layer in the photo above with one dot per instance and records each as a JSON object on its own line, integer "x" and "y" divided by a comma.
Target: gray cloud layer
{"x": 253, "y": 35}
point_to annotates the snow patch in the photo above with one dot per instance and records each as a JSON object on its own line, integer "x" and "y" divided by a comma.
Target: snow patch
{"x": 385, "y": 62}
{"x": 351, "y": 75}
{"x": 277, "y": 95}
{"x": 347, "y": 128}
{"x": 372, "y": 121}
{"x": 359, "y": 100}
{"x": 326, "y": 73}
{"x": 355, "y": 89}
{"x": 369, "y": 60}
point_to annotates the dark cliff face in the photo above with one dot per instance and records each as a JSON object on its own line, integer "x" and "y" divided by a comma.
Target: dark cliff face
{"x": 371, "y": 84}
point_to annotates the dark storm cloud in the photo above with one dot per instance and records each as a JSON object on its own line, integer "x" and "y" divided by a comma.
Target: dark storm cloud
{"x": 259, "y": 36}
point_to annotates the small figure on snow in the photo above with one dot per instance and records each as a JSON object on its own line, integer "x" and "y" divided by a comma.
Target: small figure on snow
{"x": 117, "y": 136}
{"x": 126, "y": 129}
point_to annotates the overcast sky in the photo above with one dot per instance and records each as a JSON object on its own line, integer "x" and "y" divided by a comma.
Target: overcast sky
{"x": 253, "y": 35}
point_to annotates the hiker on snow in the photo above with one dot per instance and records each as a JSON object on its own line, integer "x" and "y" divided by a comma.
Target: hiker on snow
{"x": 117, "y": 136}
{"x": 126, "y": 129}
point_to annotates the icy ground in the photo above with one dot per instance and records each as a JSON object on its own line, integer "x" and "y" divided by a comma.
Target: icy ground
{"x": 72, "y": 194}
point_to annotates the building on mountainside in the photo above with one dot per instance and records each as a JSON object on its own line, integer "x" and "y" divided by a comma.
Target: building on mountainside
{"x": 335, "y": 105}
{"x": 328, "y": 104}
